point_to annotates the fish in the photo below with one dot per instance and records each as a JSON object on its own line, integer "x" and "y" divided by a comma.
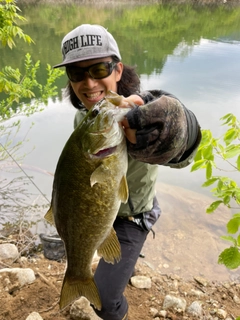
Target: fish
{"x": 88, "y": 187}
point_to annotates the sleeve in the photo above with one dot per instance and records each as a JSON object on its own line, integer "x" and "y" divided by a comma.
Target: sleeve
{"x": 167, "y": 132}
{"x": 79, "y": 115}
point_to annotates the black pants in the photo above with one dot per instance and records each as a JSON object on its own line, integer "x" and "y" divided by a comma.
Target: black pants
{"x": 112, "y": 279}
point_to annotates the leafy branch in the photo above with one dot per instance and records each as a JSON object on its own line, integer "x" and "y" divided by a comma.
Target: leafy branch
{"x": 226, "y": 148}
{"x": 9, "y": 17}
{"x": 18, "y": 87}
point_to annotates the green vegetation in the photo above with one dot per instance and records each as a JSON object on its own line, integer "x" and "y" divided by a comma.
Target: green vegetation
{"x": 146, "y": 34}
{"x": 226, "y": 190}
{"x": 8, "y": 31}
{"x": 21, "y": 94}
{"x": 18, "y": 87}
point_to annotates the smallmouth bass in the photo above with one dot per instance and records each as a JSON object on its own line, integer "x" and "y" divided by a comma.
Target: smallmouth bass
{"x": 88, "y": 188}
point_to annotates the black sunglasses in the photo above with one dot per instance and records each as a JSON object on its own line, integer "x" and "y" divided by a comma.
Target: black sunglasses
{"x": 99, "y": 70}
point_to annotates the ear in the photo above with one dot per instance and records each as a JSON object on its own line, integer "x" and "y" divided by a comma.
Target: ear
{"x": 119, "y": 71}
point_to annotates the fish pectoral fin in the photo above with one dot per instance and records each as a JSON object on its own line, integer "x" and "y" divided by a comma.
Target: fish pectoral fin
{"x": 123, "y": 190}
{"x": 99, "y": 175}
{"x": 49, "y": 216}
{"x": 72, "y": 290}
{"x": 110, "y": 249}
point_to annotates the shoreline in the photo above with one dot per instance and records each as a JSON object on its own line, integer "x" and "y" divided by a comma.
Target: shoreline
{"x": 131, "y": 2}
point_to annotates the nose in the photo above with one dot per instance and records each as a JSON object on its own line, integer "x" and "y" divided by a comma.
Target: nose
{"x": 88, "y": 80}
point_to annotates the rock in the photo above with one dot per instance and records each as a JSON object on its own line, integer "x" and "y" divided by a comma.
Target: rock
{"x": 154, "y": 312}
{"x": 221, "y": 314}
{"x": 8, "y": 252}
{"x": 236, "y": 299}
{"x": 34, "y": 316}
{"x": 201, "y": 281}
{"x": 163, "y": 313}
{"x": 173, "y": 302}
{"x": 23, "y": 260}
{"x": 15, "y": 278}
{"x": 226, "y": 285}
{"x": 195, "y": 309}
{"x": 81, "y": 310}
{"x": 196, "y": 293}
{"x": 141, "y": 282}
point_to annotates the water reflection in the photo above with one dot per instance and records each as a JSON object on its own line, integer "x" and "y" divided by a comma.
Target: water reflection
{"x": 176, "y": 51}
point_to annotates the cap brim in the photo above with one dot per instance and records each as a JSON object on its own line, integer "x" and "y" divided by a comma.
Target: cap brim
{"x": 65, "y": 63}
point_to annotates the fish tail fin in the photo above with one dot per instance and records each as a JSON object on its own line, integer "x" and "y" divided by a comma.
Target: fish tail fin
{"x": 110, "y": 249}
{"x": 72, "y": 290}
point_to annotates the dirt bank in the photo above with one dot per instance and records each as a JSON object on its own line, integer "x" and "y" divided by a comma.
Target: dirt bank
{"x": 144, "y": 304}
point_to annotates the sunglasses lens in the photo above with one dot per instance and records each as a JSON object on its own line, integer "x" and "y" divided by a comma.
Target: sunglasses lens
{"x": 75, "y": 74}
{"x": 97, "y": 71}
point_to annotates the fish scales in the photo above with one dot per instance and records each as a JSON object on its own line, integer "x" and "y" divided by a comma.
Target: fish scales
{"x": 89, "y": 186}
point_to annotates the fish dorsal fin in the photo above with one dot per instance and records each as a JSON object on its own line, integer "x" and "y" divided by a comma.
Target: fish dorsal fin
{"x": 114, "y": 98}
{"x": 99, "y": 175}
{"x": 49, "y": 216}
{"x": 123, "y": 190}
{"x": 110, "y": 249}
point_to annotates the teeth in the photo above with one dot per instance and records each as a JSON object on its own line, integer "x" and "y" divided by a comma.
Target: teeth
{"x": 93, "y": 95}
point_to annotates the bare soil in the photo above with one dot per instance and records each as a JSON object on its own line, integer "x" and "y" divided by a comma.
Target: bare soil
{"x": 43, "y": 294}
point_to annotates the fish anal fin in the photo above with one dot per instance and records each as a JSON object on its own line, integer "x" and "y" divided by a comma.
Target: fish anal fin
{"x": 110, "y": 249}
{"x": 49, "y": 216}
{"x": 123, "y": 190}
{"x": 71, "y": 290}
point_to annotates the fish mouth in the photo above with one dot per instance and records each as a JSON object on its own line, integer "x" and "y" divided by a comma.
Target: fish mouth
{"x": 104, "y": 152}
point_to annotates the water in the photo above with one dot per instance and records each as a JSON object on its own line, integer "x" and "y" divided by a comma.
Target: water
{"x": 190, "y": 51}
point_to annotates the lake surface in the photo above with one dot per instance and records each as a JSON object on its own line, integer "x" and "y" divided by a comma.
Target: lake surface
{"x": 190, "y": 51}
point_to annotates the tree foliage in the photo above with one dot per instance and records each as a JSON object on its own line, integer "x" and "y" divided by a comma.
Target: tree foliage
{"x": 19, "y": 87}
{"x": 211, "y": 152}
{"x": 9, "y": 30}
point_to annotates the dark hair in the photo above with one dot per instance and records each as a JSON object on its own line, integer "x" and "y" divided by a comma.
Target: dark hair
{"x": 127, "y": 85}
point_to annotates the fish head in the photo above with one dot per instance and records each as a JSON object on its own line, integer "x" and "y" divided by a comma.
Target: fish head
{"x": 101, "y": 131}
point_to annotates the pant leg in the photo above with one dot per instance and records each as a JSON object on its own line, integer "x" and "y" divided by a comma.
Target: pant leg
{"x": 112, "y": 279}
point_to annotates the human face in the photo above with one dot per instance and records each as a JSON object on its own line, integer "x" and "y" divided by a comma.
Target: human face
{"x": 89, "y": 90}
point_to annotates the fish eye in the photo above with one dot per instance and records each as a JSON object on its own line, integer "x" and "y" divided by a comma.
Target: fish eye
{"x": 95, "y": 111}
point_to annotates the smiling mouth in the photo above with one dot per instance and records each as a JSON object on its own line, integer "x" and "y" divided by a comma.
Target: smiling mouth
{"x": 92, "y": 96}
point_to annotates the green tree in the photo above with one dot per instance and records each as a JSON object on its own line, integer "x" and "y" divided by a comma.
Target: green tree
{"x": 226, "y": 190}
{"x": 18, "y": 87}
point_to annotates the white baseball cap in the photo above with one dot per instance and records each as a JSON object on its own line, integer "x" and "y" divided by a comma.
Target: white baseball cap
{"x": 87, "y": 42}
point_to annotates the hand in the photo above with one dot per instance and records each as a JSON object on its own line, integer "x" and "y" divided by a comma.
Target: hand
{"x": 129, "y": 133}
{"x": 131, "y": 102}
